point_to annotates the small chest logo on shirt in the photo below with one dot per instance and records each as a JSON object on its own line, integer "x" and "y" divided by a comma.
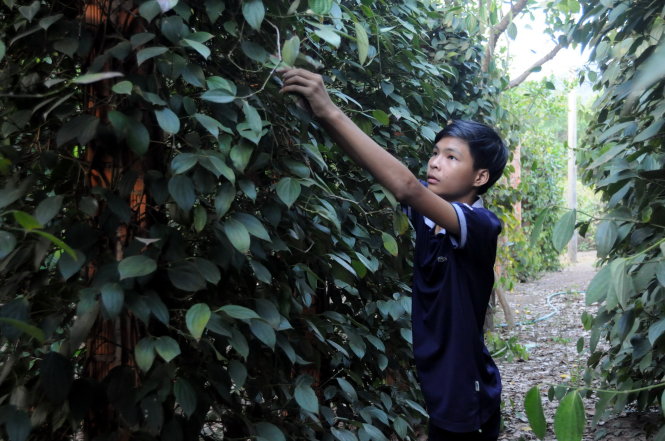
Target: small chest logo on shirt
{"x": 441, "y": 259}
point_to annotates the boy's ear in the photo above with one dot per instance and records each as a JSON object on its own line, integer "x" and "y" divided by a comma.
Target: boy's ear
{"x": 482, "y": 176}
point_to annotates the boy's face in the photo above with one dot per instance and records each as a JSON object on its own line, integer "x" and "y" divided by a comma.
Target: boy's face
{"x": 451, "y": 173}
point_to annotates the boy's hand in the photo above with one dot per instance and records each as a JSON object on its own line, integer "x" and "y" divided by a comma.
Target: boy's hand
{"x": 309, "y": 86}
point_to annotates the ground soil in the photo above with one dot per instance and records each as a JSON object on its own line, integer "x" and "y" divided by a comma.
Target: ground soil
{"x": 552, "y": 355}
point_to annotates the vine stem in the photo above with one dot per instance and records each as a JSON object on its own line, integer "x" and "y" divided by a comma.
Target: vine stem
{"x": 272, "y": 72}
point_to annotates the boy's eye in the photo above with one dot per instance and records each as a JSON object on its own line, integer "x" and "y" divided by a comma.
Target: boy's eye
{"x": 451, "y": 157}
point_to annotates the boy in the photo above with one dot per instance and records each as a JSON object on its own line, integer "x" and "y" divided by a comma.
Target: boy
{"x": 455, "y": 249}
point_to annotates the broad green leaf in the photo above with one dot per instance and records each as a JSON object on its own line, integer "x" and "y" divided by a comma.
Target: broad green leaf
{"x": 621, "y": 281}
{"x": 537, "y": 228}
{"x": 389, "y": 243}
{"x": 3, "y": 50}
{"x": 82, "y": 128}
{"x": 144, "y": 353}
{"x": 381, "y": 116}
{"x": 148, "y": 53}
{"x": 185, "y": 396}
{"x": 347, "y": 435}
{"x": 198, "y": 47}
{"x": 168, "y": 120}
{"x": 348, "y": 389}
{"x": 320, "y": 7}
{"x": 238, "y": 373}
{"x": 240, "y": 155}
{"x": 186, "y": 276}
{"x": 239, "y": 312}
{"x": 569, "y": 419}
{"x": 7, "y": 243}
{"x": 224, "y": 199}
{"x": 254, "y": 12}
{"x": 136, "y": 266}
{"x": 26, "y": 328}
{"x": 113, "y": 298}
{"x": 220, "y": 96}
{"x": 149, "y": 10}
{"x": 252, "y": 116}
{"x": 534, "y": 412}
{"x": 329, "y": 35}
{"x": 660, "y": 273}
{"x": 253, "y": 225}
{"x": 264, "y": 332}
{"x": 183, "y": 162}
{"x": 288, "y": 190}
{"x": 48, "y": 209}
{"x": 563, "y": 230}
{"x": 138, "y": 137}
{"x": 306, "y": 398}
{"x": 237, "y": 234}
{"x": 197, "y": 318}
{"x": 181, "y": 188}
{"x": 597, "y": 289}
{"x": 606, "y": 234}
{"x": 374, "y": 432}
{"x": 363, "y": 43}
{"x": 94, "y": 77}
{"x": 261, "y": 272}
{"x": 656, "y": 331}
{"x": 269, "y": 431}
{"x": 167, "y": 348}
{"x": 210, "y": 124}
{"x": 511, "y": 31}
{"x": 290, "y": 50}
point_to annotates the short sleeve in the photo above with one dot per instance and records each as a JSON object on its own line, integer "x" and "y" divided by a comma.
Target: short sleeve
{"x": 479, "y": 228}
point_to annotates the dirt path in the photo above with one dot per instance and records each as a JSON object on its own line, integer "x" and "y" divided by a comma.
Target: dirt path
{"x": 552, "y": 354}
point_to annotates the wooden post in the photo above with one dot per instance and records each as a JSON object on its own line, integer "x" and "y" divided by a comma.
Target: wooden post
{"x": 572, "y": 167}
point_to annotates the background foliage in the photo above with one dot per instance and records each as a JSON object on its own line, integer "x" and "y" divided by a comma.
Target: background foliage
{"x": 226, "y": 272}
{"x": 623, "y": 157}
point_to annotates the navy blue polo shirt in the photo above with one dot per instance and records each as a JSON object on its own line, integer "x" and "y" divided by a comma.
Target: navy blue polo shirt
{"x": 452, "y": 283}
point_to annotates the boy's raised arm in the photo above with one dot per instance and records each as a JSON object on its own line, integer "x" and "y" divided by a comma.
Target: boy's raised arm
{"x": 387, "y": 169}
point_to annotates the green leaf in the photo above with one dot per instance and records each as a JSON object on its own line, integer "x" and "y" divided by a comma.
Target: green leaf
{"x": 262, "y": 273}
{"x": 220, "y": 96}
{"x": 197, "y": 318}
{"x": 210, "y": 124}
{"x": 83, "y": 128}
{"x": 269, "y": 431}
{"x": 569, "y": 419}
{"x": 252, "y": 116}
{"x": 264, "y": 332}
{"x": 7, "y": 243}
{"x": 534, "y": 412}
{"x": 374, "y": 432}
{"x": 183, "y": 162}
{"x": 389, "y": 243}
{"x": 606, "y": 234}
{"x": 239, "y": 312}
{"x": 26, "y": 328}
{"x": 254, "y": 12}
{"x": 26, "y": 221}
{"x": 363, "y": 43}
{"x": 167, "y": 348}
{"x": 136, "y": 266}
{"x": 168, "y": 120}
{"x": 138, "y": 137}
{"x": 348, "y": 389}
{"x": 224, "y": 199}
{"x": 306, "y": 398}
{"x": 3, "y": 50}
{"x": 563, "y": 230}
{"x": 240, "y": 155}
{"x": 68, "y": 265}
{"x": 511, "y": 31}
{"x": 186, "y": 276}
{"x": 329, "y": 35}
{"x": 185, "y": 395}
{"x": 149, "y": 10}
{"x": 48, "y": 209}
{"x": 621, "y": 281}
{"x": 237, "y": 234}
{"x": 288, "y": 190}
{"x": 238, "y": 373}
{"x": 538, "y": 228}
{"x": 144, "y": 353}
{"x": 597, "y": 289}
{"x": 347, "y": 435}
{"x": 253, "y": 225}
{"x": 94, "y": 77}
{"x": 198, "y": 47}
{"x": 381, "y": 116}
{"x": 148, "y": 53}
{"x": 113, "y": 298}
{"x": 290, "y": 50}
{"x": 320, "y": 7}
{"x": 181, "y": 188}
{"x": 656, "y": 331}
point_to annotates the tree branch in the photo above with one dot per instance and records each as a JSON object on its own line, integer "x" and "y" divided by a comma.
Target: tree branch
{"x": 498, "y": 29}
{"x": 529, "y": 71}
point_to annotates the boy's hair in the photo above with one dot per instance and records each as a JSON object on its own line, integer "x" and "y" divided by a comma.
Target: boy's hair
{"x": 486, "y": 146}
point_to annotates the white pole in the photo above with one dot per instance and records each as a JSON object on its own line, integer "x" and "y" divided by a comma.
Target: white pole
{"x": 572, "y": 167}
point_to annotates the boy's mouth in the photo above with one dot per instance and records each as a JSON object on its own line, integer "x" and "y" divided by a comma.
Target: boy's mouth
{"x": 432, "y": 180}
